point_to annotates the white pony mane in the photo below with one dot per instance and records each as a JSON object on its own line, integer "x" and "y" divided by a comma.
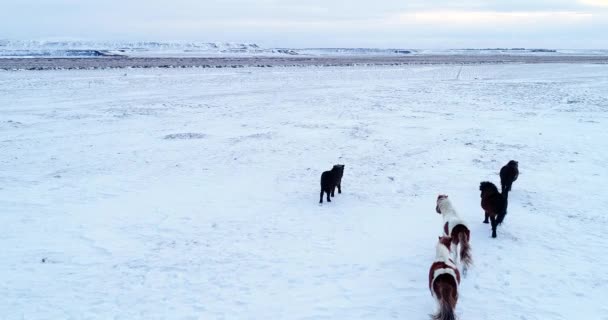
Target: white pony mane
{"x": 445, "y": 206}
{"x": 443, "y": 253}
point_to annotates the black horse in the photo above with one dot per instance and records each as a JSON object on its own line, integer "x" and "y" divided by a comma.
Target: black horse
{"x": 330, "y": 180}
{"x": 494, "y": 205}
{"x": 508, "y": 174}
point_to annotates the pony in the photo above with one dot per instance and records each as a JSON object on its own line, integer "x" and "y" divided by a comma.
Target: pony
{"x": 455, "y": 228}
{"x": 444, "y": 279}
{"x": 330, "y": 180}
{"x": 508, "y": 174}
{"x": 494, "y": 205}
{"x": 339, "y": 173}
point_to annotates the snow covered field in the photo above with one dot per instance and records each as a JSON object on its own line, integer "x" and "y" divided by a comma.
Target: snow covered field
{"x": 192, "y": 193}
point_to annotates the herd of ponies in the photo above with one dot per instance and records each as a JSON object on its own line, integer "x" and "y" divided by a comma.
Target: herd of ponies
{"x": 453, "y": 250}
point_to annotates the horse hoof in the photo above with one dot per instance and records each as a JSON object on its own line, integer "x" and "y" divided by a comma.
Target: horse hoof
{"x": 485, "y": 221}
{"x": 494, "y": 235}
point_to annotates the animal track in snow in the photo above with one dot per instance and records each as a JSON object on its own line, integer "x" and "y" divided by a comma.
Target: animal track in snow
{"x": 185, "y": 136}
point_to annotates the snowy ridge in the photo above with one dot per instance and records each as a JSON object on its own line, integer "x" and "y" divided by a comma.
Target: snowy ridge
{"x": 513, "y": 51}
{"x": 20, "y": 48}
{"x": 397, "y": 51}
{"x": 353, "y": 51}
{"x": 136, "y": 45}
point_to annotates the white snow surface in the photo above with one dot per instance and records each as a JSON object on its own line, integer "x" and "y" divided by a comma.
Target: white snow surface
{"x": 193, "y": 193}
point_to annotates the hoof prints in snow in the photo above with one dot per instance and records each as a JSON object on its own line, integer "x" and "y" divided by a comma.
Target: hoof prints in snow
{"x": 11, "y": 124}
{"x": 255, "y": 136}
{"x": 184, "y": 136}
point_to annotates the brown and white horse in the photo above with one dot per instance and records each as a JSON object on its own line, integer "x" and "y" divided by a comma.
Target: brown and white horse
{"x": 444, "y": 279}
{"x": 455, "y": 228}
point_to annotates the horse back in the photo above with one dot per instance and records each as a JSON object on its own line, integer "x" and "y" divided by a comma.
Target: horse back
{"x": 327, "y": 180}
{"x": 443, "y": 269}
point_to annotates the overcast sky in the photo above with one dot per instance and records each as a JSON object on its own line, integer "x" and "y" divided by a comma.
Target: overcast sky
{"x": 316, "y": 23}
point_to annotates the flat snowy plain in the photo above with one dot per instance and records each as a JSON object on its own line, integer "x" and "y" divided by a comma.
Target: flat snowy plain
{"x": 193, "y": 193}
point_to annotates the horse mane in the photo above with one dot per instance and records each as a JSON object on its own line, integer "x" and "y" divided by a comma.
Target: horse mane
{"x": 487, "y": 186}
{"x": 444, "y": 205}
{"x": 443, "y": 248}
{"x": 446, "y": 241}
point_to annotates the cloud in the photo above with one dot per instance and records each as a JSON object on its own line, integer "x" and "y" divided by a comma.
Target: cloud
{"x": 412, "y": 23}
{"x": 595, "y": 3}
{"x": 478, "y": 18}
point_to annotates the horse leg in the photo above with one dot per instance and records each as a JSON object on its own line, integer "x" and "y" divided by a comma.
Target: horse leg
{"x": 339, "y": 188}
{"x": 328, "y": 193}
{"x": 464, "y": 268}
{"x": 494, "y": 224}
{"x": 486, "y": 219}
{"x": 333, "y": 189}
{"x": 321, "y": 200}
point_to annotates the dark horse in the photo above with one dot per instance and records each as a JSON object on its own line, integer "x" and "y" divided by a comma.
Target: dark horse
{"x": 330, "y": 180}
{"x": 340, "y": 172}
{"x": 494, "y": 205}
{"x": 508, "y": 174}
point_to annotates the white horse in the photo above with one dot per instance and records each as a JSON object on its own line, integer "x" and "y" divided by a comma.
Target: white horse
{"x": 444, "y": 279}
{"x": 455, "y": 228}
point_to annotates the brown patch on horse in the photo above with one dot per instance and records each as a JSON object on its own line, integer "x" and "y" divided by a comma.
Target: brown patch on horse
{"x": 450, "y": 282}
{"x": 457, "y": 230}
{"x": 446, "y": 291}
{"x": 442, "y": 265}
{"x": 446, "y": 241}
{"x": 462, "y": 235}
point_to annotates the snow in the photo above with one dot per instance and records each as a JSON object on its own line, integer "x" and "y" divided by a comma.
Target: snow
{"x": 192, "y": 193}
{"x": 167, "y": 49}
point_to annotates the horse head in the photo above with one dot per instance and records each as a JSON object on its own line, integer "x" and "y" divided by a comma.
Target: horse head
{"x": 487, "y": 188}
{"x": 446, "y": 241}
{"x": 439, "y": 198}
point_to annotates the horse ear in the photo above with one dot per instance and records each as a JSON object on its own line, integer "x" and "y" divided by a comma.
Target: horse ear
{"x": 439, "y": 238}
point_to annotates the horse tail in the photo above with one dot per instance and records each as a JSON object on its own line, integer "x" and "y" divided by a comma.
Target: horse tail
{"x": 447, "y": 303}
{"x": 465, "y": 250}
{"x": 503, "y": 211}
